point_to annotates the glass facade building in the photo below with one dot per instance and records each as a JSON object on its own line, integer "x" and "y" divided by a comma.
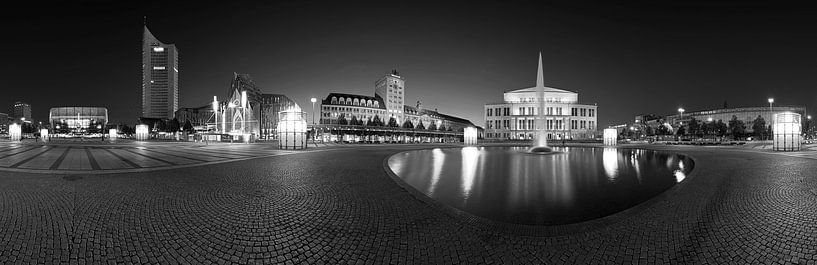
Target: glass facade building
{"x": 78, "y": 120}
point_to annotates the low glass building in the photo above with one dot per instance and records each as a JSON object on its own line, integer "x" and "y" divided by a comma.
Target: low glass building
{"x": 78, "y": 120}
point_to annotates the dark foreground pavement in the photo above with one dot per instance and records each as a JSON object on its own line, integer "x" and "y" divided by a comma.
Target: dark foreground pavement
{"x": 338, "y": 206}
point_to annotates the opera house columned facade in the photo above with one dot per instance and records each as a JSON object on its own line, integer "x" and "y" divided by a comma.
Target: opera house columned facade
{"x": 515, "y": 117}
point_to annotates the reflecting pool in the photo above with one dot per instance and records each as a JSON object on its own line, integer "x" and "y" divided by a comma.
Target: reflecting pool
{"x": 509, "y": 185}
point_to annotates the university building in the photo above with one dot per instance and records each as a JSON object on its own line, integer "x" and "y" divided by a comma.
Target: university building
{"x": 385, "y": 117}
{"x": 519, "y": 115}
{"x": 160, "y": 78}
{"x": 259, "y": 117}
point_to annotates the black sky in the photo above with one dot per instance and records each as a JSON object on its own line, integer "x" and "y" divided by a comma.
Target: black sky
{"x": 630, "y": 57}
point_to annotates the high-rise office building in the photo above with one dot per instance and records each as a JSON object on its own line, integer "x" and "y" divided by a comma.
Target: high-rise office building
{"x": 160, "y": 78}
{"x": 21, "y": 110}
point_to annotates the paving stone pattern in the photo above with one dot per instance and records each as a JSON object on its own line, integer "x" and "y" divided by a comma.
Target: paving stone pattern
{"x": 339, "y": 207}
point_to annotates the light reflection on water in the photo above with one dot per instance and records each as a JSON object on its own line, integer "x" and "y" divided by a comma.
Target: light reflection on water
{"x": 506, "y": 184}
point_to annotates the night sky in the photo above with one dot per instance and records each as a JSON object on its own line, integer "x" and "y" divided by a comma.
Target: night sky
{"x": 630, "y": 57}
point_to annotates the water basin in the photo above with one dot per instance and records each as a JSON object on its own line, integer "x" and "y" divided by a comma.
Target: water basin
{"x": 508, "y": 184}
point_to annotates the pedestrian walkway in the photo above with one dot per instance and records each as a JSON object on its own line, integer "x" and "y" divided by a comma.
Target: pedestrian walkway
{"x": 85, "y": 158}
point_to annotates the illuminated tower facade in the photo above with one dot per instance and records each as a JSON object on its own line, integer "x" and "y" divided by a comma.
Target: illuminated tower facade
{"x": 391, "y": 88}
{"x": 160, "y": 78}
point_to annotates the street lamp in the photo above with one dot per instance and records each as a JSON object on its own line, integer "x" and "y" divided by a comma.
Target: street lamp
{"x": 313, "y": 109}
{"x": 681, "y": 116}
{"x": 771, "y": 113}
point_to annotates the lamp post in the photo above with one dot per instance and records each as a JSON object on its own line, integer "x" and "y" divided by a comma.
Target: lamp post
{"x": 681, "y": 116}
{"x": 313, "y": 109}
{"x": 771, "y": 115}
{"x": 215, "y": 111}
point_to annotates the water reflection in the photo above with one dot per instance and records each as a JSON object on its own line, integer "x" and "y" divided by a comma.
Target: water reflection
{"x": 503, "y": 183}
{"x": 437, "y": 161}
{"x": 610, "y": 162}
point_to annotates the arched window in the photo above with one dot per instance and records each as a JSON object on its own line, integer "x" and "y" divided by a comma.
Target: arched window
{"x": 342, "y": 101}
{"x": 348, "y": 101}
{"x": 334, "y": 100}
{"x": 377, "y": 104}
{"x": 368, "y": 103}
{"x": 356, "y": 102}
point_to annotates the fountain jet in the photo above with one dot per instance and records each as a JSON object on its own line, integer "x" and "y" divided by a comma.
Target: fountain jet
{"x": 540, "y": 140}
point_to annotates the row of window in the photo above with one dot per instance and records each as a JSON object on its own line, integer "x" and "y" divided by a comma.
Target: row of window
{"x": 549, "y": 125}
{"x": 577, "y": 112}
{"x": 357, "y": 102}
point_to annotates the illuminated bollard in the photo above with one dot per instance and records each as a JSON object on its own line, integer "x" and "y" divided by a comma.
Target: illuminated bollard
{"x": 44, "y": 135}
{"x": 15, "y": 132}
{"x": 610, "y": 136}
{"x": 112, "y": 134}
{"x": 292, "y": 129}
{"x": 141, "y": 132}
{"x": 786, "y": 129}
{"x": 469, "y": 136}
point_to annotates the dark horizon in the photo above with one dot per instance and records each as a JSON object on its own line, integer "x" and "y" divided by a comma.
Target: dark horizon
{"x": 629, "y": 57}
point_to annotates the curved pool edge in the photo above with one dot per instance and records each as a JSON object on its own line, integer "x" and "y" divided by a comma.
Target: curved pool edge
{"x": 493, "y": 226}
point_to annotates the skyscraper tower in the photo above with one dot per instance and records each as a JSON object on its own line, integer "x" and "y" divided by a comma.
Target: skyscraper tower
{"x": 160, "y": 78}
{"x": 21, "y": 111}
{"x": 391, "y": 88}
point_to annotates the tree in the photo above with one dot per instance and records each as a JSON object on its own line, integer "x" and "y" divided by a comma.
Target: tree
{"x": 662, "y": 130}
{"x": 159, "y": 126}
{"x": 408, "y": 125}
{"x": 442, "y": 127}
{"x": 759, "y": 127}
{"x": 720, "y": 128}
{"x": 354, "y": 120}
{"x": 188, "y": 127}
{"x": 376, "y": 121}
{"x": 695, "y": 127}
{"x": 127, "y": 129}
{"x": 433, "y": 126}
{"x": 421, "y": 126}
{"x": 736, "y": 127}
{"x": 681, "y": 131}
{"x": 342, "y": 120}
{"x": 393, "y": 122}
{"x": 649, "y": 131}
{"x": 173, "y": 125}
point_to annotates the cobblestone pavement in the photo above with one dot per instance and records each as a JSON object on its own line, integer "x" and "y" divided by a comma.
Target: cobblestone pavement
{"x": 339, "y": 207}
{"x": 134, "y": 157}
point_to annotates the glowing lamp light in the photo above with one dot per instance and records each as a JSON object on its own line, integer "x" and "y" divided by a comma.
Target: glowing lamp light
{"x": 15, "y": 133}
{"x": 292, "y": 129}
{"x": 610, "y": 136}
{"x": 243, "y": 99}
{"x": 470, "y": 136}
{"x": 112, "y": 134}
{"x": 44, "y": 134}
{"x": 786, "y": 129}
{"x": 141, "y": 132}
{"x": 215, "y": 104}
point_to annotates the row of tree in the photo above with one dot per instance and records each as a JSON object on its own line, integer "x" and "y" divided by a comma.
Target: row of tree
{"x": 734, "y": 128}
{"x": 376, "y": 122}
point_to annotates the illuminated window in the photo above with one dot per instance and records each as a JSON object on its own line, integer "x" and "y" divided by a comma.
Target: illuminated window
{"x": 158, "y": 68}
{"x": 158, "y": 49}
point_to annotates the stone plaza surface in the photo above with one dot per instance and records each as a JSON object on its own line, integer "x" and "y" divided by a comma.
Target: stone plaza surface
{"x": 338, "y": 206}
